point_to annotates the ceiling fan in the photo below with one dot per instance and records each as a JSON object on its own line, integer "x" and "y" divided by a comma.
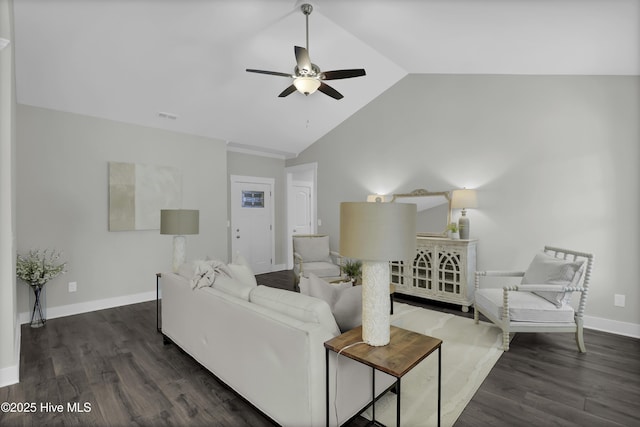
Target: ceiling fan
{"x": 307, "y": 77}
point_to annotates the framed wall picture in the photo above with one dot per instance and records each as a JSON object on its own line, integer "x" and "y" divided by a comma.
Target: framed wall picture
{"x": 137, "y": 193}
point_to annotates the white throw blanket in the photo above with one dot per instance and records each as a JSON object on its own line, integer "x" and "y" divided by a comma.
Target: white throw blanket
{"x": 205, "y": 273}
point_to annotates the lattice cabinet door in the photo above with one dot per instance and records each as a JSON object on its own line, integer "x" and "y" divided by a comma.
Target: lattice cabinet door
{"x": 423, "y": 269}
{"x": 449, "y": 271}
{"x": 397, "y": 271}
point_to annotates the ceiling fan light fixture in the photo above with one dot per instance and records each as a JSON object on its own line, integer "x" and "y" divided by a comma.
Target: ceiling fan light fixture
{"x": 306, "y": 85}
{"x": 307, "y": 77}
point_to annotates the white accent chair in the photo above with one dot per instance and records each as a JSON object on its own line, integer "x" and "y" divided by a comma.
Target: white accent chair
{"x": 311, "y": 254}
{"x": 540, "y": 303}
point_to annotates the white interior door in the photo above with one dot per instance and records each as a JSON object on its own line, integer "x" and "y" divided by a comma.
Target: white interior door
{"x": 252, "y": 221}
{"x": 301, "y": 200}
{"x": 295, "y": 175}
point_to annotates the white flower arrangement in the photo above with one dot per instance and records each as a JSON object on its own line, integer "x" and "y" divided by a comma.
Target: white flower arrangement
{"x": 38, "y": 267}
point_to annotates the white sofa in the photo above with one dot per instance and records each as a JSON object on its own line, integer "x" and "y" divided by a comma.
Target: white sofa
{"x": 267, "y": 345}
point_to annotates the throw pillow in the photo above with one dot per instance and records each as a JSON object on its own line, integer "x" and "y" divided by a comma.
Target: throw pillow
{"x": 312, "y": 249}
{"x": 240, "y": 270}
{"x": 348, "y": 308}
{"x": 546, "y": 269}
{"x": 344, "y": 299}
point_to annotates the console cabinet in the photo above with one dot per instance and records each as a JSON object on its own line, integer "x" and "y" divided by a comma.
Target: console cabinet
{"x": 442, "y": 269}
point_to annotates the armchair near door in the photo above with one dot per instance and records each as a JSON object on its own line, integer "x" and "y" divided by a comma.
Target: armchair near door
{"x": 540, "y": 303}
{"x": 311, "y": 254}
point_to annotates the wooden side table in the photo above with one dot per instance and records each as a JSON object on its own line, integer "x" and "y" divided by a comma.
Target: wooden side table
{"x": 405, "y": 350}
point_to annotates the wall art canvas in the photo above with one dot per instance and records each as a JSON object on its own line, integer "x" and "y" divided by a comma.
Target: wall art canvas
{"x": 137, "y": 193}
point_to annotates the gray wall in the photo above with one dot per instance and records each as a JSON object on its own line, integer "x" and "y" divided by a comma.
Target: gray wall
{"x": 62, "y": 201}
{"x": 264, "y": 167}
{"x": 554, "y": 158}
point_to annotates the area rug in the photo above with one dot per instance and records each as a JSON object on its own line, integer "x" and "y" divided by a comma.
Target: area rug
{"x": 469, "y": 351}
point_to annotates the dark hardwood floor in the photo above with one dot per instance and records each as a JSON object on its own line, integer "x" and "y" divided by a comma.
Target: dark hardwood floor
{"x": 115, "y": 361}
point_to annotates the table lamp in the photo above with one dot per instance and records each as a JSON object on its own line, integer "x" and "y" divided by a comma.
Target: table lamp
{"x": 179, "y": 222}
{"x": 377, "y": 233}
{"x": 463, "y": 199}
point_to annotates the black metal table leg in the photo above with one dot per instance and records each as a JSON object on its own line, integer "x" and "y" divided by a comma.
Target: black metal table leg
{"x": 326, "y": 360}
{"x": 398, "y": 403}
{"x": 373, "y": 395}
{"x": 439, "y": 381}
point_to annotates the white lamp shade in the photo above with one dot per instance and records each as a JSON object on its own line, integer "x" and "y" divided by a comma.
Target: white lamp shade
{"x": 306, "y": 85}
{"x": 179, "y": 222}
{"x": 377, "y": 231}
{"x": 464, "y": 199}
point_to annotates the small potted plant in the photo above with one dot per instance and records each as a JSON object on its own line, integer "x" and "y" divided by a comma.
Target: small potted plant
{"x": 452, "y": 229}
{"x": 353, "y": 270}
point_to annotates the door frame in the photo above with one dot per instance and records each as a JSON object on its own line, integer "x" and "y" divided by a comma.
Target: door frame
{"x": 290, "y": 173}
{"x": 234, "y": 179}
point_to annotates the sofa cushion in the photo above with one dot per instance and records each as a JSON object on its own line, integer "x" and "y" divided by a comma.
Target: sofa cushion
{"x": 232, "y": 286}
{"x": 523, "y": 306}
{"x": 298, "y": 306}
{"x": 312, "y": 249}
{"x": 546, "y": 269}
{"x": 344, "y": 299}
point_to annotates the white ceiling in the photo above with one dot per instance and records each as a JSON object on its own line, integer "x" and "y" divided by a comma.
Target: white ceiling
{"x": 129, "y": 60}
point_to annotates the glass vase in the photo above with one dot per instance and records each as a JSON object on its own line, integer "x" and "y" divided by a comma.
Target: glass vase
{"x": 37, "y": 300}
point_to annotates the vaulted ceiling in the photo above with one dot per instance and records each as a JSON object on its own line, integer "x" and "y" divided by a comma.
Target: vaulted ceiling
{"x": 132, "y": 60}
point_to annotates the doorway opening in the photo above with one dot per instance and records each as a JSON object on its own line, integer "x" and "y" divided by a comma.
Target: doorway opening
{"x": 302, "y": 212}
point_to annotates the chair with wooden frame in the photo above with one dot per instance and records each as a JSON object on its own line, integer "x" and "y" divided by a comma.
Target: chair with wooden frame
{"x": 311, "y": 254}
{"x": 541, "y": 302}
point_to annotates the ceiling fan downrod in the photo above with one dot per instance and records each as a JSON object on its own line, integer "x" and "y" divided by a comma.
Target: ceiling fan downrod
{"x": 307, "y": 9}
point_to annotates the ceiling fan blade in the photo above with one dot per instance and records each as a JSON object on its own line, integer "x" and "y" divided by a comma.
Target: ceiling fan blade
{"x": 328, "y": 90}
{"x": 288, "y": 91}
{"x": 271, "y": 73}
{"x": 342, "y": 74}
{"x": 302, "y": 59}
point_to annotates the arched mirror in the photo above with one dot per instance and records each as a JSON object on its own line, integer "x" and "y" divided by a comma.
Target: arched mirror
{"x": 434, "y": 210}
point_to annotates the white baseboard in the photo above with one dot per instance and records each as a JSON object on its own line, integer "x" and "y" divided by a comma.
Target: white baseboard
{"x": 612, "y": 326}
{"x": 11, "y": 374}
{"x": 85, "y": 307}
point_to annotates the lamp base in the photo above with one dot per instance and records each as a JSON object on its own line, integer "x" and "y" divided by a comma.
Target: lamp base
{"x": 179, "y": 252}
{"x": 463, "y": 226}
{"x": 376, "y": 329}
